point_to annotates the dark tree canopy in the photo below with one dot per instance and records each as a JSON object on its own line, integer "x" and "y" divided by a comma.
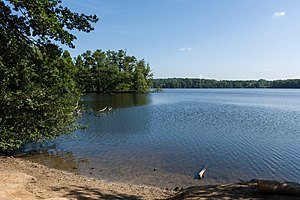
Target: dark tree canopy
{"x": 41, "y": 21}
{"x": 38, "y": 93}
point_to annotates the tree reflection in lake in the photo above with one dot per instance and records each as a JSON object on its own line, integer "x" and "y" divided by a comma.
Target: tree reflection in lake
{"x": 97, "y": 102}
{"x": 50, "y": 155}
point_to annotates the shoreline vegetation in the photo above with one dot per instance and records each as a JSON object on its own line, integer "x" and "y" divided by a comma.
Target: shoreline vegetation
{"x": 211, "y": 83}
{"x": 41, "y": 85}
{"x": 26, "y": 180}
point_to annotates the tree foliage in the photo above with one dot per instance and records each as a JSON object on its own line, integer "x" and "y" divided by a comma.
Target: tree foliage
{"x": 41, "y": 21}
{"x": 210, "y": 83}
{"x": 111, "y": 72}
{"x": 38, "y": 93}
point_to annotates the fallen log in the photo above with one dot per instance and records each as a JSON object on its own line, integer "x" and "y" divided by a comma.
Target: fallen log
{"x": 276, "y": 187}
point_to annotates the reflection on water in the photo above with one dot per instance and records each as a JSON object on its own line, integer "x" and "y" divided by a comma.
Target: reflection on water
{"x": 48, "y": 154}
{"x": 239, "y": 134}
{"x": 99, "y": 101}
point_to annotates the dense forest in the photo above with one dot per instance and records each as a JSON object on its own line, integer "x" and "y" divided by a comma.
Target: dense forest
{"x": 112, "y": 72}
{"x": 210, "y": 83}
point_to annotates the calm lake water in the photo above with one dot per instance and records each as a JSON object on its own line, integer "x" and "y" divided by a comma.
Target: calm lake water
{"x": 238, "y": 133}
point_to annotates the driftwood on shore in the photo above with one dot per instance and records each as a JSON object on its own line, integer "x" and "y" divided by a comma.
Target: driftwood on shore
{"x": 202, "y": 172}
{"x": 275, "y": 187}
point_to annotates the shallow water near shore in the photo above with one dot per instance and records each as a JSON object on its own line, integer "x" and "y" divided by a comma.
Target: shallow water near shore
{"x": 164, "y": 139}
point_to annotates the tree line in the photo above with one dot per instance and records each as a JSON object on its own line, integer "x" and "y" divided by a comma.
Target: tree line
{"x": 112, "y": 72}
{"x": 211, "y": 83}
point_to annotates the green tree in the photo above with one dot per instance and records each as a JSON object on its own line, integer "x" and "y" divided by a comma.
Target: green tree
{"x": 139, "y": 80}
{"x": 110, "y": 72}
{"x": 42, "y": 21}
{"x": 38, "y": 94}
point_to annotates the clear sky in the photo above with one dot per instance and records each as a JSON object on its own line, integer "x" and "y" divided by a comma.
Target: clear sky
{"x": 219, "y": 39}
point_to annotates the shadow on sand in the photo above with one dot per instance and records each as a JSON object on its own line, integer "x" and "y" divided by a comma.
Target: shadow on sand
{"x": 88, "y": 193}
{"x": 244, "y": 190}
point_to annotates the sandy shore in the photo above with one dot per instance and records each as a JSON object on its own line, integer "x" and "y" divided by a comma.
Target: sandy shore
{"x": 25, "y": 180}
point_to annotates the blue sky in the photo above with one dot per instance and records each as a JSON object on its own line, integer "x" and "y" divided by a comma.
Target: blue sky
{"x": 219, "y": 39}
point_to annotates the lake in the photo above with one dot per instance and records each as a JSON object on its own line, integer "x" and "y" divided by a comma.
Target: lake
{"x": 164, "y": 139}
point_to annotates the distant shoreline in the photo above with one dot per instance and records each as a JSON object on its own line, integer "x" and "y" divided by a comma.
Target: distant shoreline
{"x": 211, "y": 83}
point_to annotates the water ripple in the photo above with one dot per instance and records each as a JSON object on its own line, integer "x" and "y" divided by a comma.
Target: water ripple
{"x": 239, "y": 134}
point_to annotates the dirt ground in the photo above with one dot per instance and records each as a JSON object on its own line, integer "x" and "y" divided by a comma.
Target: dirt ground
{"x": 24, "y": 180}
